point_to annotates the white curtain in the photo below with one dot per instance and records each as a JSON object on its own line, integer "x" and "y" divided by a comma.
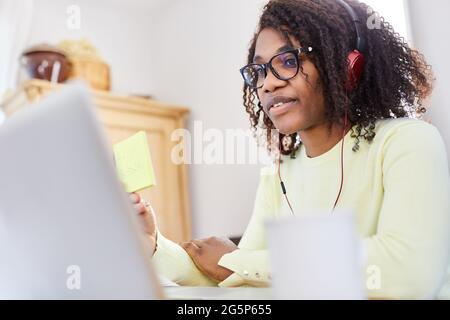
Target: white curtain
{"x": 15, "y": 25}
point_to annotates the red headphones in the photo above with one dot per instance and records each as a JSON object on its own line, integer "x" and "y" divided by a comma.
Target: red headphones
{"x": 355, "y": 58}
{"x": 355, "y": 67}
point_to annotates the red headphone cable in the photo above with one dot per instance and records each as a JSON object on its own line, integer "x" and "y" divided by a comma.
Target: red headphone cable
{"x": 342, "y": 161}
{"x": 283, "y": 188}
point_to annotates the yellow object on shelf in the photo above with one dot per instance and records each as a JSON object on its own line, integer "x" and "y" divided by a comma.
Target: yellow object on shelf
{"x": 96, "y": 73}
{"x": 87, "y": 64}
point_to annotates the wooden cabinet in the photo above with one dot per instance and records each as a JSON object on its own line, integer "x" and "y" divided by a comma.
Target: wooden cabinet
{"x": 123, "y": 116}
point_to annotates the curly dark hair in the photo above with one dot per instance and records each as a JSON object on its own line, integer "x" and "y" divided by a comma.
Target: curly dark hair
{"x": 395, "y": 81}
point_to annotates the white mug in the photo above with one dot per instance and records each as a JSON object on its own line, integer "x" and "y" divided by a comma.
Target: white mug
{"x": 316, "y": 257}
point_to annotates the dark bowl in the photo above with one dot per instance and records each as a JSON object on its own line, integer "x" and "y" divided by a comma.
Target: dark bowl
{"x": 45, "y": 64}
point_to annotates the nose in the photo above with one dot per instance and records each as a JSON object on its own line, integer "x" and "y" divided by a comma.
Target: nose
{"x": 271, "y": 82}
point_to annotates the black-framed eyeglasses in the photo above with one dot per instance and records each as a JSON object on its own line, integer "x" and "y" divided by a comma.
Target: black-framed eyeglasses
{"x": 284, "y": 66}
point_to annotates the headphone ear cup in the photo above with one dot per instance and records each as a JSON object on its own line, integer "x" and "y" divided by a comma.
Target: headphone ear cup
{"x": 355, "y": 68}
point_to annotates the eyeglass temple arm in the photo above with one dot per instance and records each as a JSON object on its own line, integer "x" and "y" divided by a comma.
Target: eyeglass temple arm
{"x": 306, "y": 50}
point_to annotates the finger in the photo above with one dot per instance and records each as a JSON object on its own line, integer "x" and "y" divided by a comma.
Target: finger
{"x": 191, "y": 248}
{"x": 188, "y": 244}
{"x": 135, "y": 197}
{"x": 199, "y": 243}
{"x": 211, "y": 239}
{"x": 139, "y": 208}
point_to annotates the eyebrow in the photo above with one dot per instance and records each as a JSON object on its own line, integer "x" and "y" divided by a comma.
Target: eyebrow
{"x": 281, "y": 49}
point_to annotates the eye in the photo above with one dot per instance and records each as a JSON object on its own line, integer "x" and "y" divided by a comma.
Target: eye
{"x": 290, "y": 63}
{"x": 288, "y": 60}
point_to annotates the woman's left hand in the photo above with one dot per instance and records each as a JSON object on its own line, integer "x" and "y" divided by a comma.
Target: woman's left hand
{"x": 206, "y": 254}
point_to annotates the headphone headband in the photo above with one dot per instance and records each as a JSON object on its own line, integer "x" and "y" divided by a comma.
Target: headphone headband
{"x": 360, "y": 44}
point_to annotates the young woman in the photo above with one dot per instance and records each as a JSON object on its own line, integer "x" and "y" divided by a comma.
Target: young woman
{"x": 343, "y": 99}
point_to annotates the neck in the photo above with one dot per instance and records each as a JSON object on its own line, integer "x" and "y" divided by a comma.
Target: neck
{"x": 319, "y": 139}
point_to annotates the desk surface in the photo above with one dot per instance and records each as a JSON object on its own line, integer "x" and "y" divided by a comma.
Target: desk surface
{"x": 216, "y": 293}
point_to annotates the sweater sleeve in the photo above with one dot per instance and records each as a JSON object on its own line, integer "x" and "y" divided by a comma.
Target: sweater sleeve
{"x": 410, "y": 250}
{"x": 172, "y": 262}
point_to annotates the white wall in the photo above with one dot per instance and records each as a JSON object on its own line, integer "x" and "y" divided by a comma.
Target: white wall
{"x": 429, "y": 27}
{"x": 199, "y": 50}
{"x": 393, "y": 12}
{"x": 119, "y": 29}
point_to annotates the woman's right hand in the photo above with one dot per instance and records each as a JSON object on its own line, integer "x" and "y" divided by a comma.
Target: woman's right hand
{"x": 147, "y": 219}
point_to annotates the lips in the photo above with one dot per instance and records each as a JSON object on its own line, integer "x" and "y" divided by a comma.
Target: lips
{"x": 278, "y": 101}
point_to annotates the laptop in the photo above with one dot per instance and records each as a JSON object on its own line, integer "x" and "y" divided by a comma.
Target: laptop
{"x": 67, "y": 228}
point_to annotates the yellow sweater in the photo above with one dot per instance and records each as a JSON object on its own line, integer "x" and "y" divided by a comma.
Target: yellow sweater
{"x": 399, "y": 188}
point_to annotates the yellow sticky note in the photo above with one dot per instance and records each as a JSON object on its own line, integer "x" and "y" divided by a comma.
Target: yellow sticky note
{"x": 133, "y": 162}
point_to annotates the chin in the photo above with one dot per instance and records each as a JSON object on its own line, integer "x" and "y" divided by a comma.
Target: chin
{"x": 288, "y": 128}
